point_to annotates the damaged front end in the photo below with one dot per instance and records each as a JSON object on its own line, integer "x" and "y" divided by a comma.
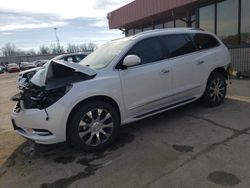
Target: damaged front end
{"x": 34, "y": 97}
{"x": 50, "y": 84}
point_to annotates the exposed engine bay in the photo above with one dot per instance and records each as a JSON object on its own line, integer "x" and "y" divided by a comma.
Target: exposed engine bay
{"x": 41, "y": 88}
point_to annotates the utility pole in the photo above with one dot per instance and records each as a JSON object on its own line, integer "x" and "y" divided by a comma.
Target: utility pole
{"x": 57, "y": 39}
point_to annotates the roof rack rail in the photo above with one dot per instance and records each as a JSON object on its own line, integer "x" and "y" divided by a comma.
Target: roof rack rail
{"x": 156, "y": 30}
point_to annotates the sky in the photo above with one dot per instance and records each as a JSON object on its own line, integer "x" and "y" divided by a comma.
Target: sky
{"x": 29, "y": 23}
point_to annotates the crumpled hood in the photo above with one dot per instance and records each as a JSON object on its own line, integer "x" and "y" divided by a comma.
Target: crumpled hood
{"x": 77, "y": 67}
{"x": 42, "y": 75}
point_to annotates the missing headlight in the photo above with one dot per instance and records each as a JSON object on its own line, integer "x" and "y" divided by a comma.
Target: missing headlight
{"x": 45, "y": 98}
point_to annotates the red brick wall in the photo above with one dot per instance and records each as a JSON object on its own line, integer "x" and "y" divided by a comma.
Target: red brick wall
{"x": 140, "y": 9}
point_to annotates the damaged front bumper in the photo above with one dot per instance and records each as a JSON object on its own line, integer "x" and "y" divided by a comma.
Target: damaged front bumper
{"x": 39, "y": 115}
{"x": 33, "y": 123}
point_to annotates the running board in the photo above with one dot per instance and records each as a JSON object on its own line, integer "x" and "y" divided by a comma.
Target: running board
{"x": 164, "y": 108}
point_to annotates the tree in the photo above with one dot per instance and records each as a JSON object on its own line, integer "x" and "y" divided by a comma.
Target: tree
{"x": 86, "y": 47}
{"x": 91, "y": 46}
{"x": 83, "y": 48}
{"x": 56, "y": 49}
{"x": 31, "y": 52}
{"x": 9, "y": 49}
{"x": 72, "y": 48}
{"x": 44, "y": 50}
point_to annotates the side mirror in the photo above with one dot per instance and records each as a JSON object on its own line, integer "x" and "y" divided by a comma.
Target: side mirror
{"x": 131, "y": 60}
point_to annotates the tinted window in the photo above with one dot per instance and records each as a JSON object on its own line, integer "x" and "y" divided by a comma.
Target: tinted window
{"x": 158, "y": 26}
{"x": 181, "y": 22}
{"x": 193, "y": 19}
{"x": 147, "y": 28}
{"x": 130, "y": 32}
{"x": 149, "y": 50}
{"x": 169, "y": 24}
{"x": 204, "y": 41}
{"x": 245, "y": 23}
{"x": 138, "y": 30}
{"x": 207, "y": 18}
{"x": 178, "y": 45}
{"x": 227, "y": 21}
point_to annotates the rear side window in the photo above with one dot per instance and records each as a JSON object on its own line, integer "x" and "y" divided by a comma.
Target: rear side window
{"x": 149, "y": 50}
{"x": 204, "y": 41}
{"x": 178, "y": 45}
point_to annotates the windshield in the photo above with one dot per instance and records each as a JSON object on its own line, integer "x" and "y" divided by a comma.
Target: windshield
{"x": 105, "y": 54}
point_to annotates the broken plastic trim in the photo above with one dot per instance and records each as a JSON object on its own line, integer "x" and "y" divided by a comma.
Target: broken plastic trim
{"x": 60, "y": 78}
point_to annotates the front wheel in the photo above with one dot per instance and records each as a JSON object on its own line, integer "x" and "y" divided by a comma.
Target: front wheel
{"x": 93, "y": 126}
{"x": 216, "y": 90}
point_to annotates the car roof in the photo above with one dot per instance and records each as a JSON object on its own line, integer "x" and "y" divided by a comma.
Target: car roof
{"x": 180, "y": 30}
{"x": 165, "y": 31}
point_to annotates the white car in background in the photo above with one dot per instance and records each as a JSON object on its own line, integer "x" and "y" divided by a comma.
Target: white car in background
{"x": 25, "y": 75}
{"x": 26, "y": 66}
{"x": 123, "y": 81}
{"x": 2, "y": 69}
{"x": 40, "y": 63}
{"x": 72, "y": 57}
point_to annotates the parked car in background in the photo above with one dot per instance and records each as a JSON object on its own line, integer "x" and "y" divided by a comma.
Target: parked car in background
{"x": 2, "y": 69}
{"x": 40, "y": 63}
{"x": 73, "y": 57}
{"x": 123, "y": 81}
{"x": 12, "y": 67}
{"x": 26, "y": 66}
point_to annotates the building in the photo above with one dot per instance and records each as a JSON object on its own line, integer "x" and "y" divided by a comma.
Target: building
{"x": 229, "y": 19}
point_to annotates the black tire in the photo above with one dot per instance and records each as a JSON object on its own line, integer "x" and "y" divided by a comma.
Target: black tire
{"x": 80, "y": 116}
{"x": 216, "y": 90}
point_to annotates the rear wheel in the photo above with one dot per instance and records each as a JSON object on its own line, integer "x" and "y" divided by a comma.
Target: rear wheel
{"x": 93, "y": 126}
{"x": 216, "y": 90}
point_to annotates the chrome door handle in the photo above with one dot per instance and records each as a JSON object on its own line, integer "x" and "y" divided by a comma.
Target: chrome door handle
{"x": 164, "y": 71}
{"x": 200, "y": 62}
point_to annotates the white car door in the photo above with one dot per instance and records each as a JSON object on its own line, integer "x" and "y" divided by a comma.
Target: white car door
{"x": 208, "y": 55}
{"x": 187, "y": 77}
{"x": 146, "y": 87}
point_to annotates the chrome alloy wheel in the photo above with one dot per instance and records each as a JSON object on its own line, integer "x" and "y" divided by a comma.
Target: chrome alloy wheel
{"x": 96, "y": 126}
{"x": 217, "y": 90}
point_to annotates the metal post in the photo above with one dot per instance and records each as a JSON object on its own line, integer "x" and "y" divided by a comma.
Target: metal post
{"x": 57, "y": 39}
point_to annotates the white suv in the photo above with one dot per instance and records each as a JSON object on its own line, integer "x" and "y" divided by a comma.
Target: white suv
{"x": 123, "y": 81}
